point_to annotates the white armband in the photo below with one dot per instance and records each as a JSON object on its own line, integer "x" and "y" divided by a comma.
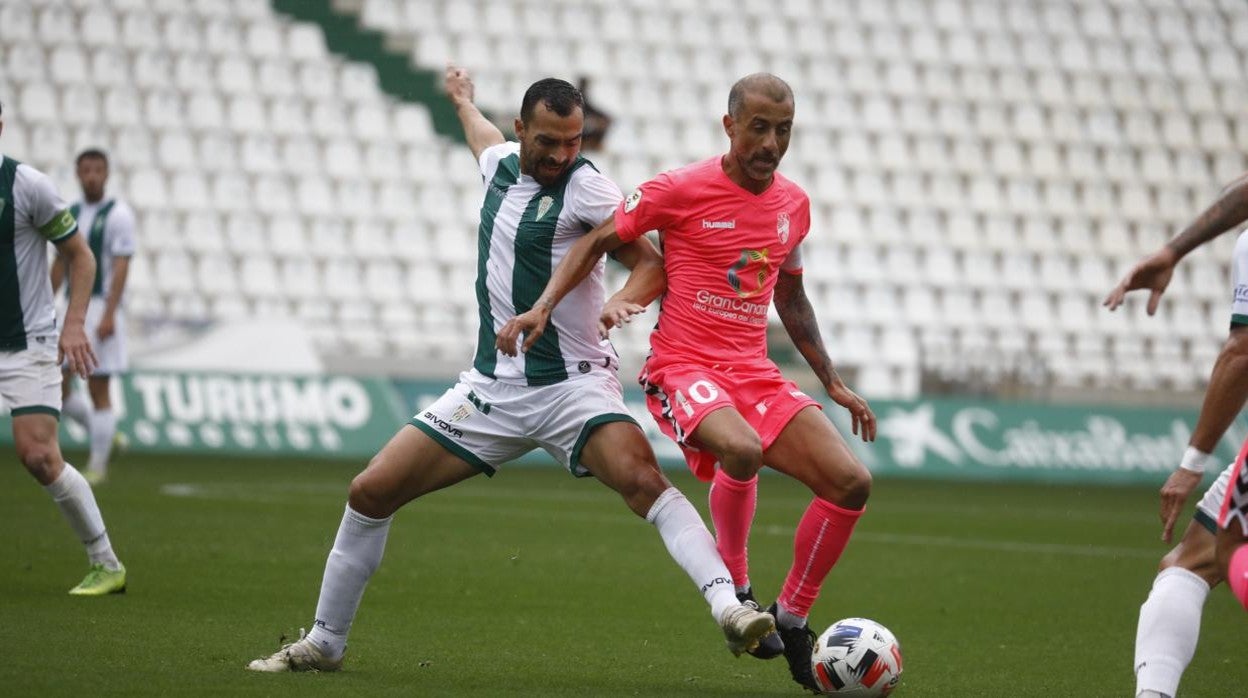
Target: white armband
{"x": 1196, "y": 460}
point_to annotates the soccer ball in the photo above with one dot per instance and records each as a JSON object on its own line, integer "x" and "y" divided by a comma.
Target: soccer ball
{"x": 856, "y": 657}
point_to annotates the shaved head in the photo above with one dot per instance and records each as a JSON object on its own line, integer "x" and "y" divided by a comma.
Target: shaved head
{"x": 764, "y": 84}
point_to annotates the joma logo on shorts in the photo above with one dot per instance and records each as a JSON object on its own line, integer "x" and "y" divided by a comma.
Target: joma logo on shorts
{"x": 444, "y": 425}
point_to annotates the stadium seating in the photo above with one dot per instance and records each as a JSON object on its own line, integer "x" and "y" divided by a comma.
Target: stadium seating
{"x": 980, "y": 172}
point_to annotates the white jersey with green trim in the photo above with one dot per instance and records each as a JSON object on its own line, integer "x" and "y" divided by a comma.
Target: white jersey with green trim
{"x": 1239, "y": 278}
{"x": 37, "y": 215}
{"x": 116, "y": 237}
{"x": 526, "y": 228}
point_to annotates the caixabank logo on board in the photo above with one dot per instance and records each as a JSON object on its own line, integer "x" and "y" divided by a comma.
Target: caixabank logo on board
{"x": 980, "y": 439}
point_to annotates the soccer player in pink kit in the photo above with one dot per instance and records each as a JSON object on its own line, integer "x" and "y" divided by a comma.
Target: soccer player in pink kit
{"x": 731, "y": 229}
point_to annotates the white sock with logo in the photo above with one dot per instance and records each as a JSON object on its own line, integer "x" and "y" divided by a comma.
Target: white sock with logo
{"x": 692, "y": 546}
{"x": 77, "y": 408}
{"x": 103, "y": 429}
{"x": 1169, "y": 627}
{"x": 73, "y": 495}
{"x": 357, "y": 552}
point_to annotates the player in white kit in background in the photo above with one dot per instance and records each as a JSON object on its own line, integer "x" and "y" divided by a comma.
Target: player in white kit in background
{"x": 108, "y": 223}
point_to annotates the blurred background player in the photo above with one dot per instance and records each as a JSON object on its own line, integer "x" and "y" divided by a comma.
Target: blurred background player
{"x": 564, "y": 397}
{"x": 32, "y": 214}
{"x": 731, "y": 229}
{"x": 1169, "y": 624}
{"x": 108, "y": 223}
{"x": 597, "y": 121}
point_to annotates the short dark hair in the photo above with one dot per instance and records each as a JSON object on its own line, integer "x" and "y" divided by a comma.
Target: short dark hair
{"x": 559, "y": 96}
{"x": 766, "y": 83}
{"x": 92, "y": 154}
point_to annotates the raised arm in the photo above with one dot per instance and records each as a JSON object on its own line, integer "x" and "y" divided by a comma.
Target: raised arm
{"x": 572, "y": 269}
{"x": 478, "y": 130}
{"x": 798, "y": 317}
{"x": 1154, "y": 271}
{"x": 74, "y": 346}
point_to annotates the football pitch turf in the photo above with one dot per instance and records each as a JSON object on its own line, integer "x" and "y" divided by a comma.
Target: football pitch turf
{"x": 536, "y": 583}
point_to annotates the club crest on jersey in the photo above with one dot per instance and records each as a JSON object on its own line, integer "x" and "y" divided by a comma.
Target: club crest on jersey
{"x": 631, "y": 202}
{"x": 782, "y": 227}
{"x": 543, "y": 206}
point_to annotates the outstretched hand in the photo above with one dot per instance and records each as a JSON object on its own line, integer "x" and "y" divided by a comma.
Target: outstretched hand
{"x": 531, "y": 324}
{"x": 860, "y": 412}
{"x": 1174, "y": 494}
{"x": 1152, "y": 273}
{"x": 616, "y": 313}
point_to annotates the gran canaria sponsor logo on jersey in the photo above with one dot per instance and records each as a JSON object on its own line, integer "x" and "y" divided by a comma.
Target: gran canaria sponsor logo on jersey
{"x": 730, "y": 308}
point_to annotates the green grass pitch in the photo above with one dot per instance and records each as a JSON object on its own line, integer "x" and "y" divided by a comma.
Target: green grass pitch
{"x": 535, "y": 583}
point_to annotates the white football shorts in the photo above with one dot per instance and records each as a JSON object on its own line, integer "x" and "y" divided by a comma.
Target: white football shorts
{"x": 30, "y": 380}
{"x": 109, "y": 353}
{"x": 488, "y": 422}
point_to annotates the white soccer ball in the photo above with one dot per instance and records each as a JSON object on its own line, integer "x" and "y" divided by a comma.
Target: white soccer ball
{"x": 856, "y": 657}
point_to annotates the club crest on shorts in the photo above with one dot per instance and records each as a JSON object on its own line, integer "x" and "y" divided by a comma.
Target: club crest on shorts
{"x": 543, "y": 206}
{"x": 782, "y": 226}
{"x": 461, "y": 413}
{"x": 631, "y": 202}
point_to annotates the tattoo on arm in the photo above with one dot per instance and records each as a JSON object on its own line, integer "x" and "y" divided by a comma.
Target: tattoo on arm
{"x": 1228, "y": 211}
{"x": 799, "y": 321}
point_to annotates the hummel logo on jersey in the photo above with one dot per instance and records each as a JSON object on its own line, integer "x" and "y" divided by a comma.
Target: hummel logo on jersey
{"x": 543, "y": 207}
{"x": 719, "y": 225}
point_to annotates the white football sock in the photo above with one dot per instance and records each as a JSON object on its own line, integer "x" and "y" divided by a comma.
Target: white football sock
{"x": 355, "y": 556}
{"x": 73, "y": 495}
{"x": 693, "y": 548}
{"x": 77, "y": 408}
{"x": 103, "y": 429}
{"x": 1169, "y": 627}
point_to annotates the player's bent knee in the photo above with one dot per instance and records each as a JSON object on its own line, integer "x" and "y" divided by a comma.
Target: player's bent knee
{"x": 370, "y": 496}
{"x": 642, "y": 485}
{"x": 855, "y": 488}
{"x": 742, "y": 455}
{"x": 38, "y": 461}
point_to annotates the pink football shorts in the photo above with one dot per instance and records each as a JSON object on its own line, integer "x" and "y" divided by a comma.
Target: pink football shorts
{"x": 680, "y": 395}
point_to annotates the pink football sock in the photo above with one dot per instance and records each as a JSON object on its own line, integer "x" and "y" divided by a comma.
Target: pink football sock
{"x": 732, "y": 511}
{"x": 821, "y": 536}
{"x": 1237, "y": 574}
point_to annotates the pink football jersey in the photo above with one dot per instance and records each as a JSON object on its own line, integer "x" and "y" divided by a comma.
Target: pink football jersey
{"x": 723, "y": 247}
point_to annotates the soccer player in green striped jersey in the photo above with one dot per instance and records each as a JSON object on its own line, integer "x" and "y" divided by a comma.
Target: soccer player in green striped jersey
{"x": 562, "y": 396}
{"x": 108, "y": 223}
{"x": 32, "y": 214}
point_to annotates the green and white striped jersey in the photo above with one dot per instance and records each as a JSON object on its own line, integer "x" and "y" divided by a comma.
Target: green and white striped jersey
{"x": 109, "y": 227}
{"x": 32, "y": 214}
{"x": 526, "y": 228}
